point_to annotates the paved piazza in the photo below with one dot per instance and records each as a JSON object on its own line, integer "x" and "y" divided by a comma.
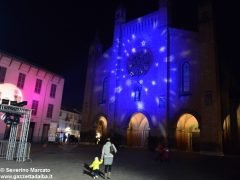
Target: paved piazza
{"x": 69, "y": 162}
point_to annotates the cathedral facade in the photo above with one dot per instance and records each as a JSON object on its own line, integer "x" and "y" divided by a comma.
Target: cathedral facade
{"x": 155, "y": 81}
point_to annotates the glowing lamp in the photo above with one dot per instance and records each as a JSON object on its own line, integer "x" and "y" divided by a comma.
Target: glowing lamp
{"x": 10, "y": 92}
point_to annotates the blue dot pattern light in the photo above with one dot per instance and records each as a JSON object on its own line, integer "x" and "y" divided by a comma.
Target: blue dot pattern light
{"x": 138, "y": 59}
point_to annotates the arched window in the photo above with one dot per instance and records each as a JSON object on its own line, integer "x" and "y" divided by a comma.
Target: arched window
{"x": 104, "y": 90}
{"x": 185, "y": 77}
{"x": 137, "y": 93}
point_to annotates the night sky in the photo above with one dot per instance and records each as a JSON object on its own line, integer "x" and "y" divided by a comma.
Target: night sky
{"x": 56, "y": 35}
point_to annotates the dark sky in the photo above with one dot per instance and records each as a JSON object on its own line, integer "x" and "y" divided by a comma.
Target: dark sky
{"x": 56, "y": 35}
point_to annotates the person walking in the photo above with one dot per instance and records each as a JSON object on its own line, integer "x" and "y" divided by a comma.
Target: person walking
{"x": 108, "y": 152}
{"x": 95, "y": 167}
{"x": 162, "y": 152}
{"x": 159, "y": 151}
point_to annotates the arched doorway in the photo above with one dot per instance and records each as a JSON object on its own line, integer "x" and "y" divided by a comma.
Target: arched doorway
{"x": 231, "y": 129}
{"x": 138, "y": 130}
{"x": 187, "y": 133}
{"x": 101, "y": 129}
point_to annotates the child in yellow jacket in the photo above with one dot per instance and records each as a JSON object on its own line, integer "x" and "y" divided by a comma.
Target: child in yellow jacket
{"x": 95, "y": 166}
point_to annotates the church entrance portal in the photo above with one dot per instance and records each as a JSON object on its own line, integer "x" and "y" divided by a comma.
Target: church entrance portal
{"x": 187, "y": 133}
{"x": 138, "y": 130}
{"x": 101, "y": 131}
{"x": 228, "y": 130}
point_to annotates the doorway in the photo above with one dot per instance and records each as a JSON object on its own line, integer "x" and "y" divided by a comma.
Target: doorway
{"x": 31, "y": 131}
{"x": 138, "y": 131}
{"x": 101, "y": 130}
{"x": 45, "y": 132}
{"x": 188, "y": 133}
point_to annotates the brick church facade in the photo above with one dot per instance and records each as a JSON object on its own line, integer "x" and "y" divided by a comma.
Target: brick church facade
{"x": 156, "y": 81}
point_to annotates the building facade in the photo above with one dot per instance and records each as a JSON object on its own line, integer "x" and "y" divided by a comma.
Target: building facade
{"x": 156, "y": 81}
{"x": 22, "y": 81}
{"x": 69, "y": 123}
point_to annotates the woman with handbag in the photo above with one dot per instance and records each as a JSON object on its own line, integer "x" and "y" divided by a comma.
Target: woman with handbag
{"x": 108, "y": 152}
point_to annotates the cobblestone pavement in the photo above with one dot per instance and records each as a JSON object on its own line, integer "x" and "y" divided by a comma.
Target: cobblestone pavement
{"x": 68, "y": 162}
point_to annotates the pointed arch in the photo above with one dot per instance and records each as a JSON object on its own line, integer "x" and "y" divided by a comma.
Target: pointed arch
{"x": 138, "y": 130}
{"x": 187, "y": 133}
{"x": 101, "y": 128}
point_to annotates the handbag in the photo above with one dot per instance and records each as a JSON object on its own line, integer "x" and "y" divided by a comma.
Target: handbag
{"x": 112, "y": 150}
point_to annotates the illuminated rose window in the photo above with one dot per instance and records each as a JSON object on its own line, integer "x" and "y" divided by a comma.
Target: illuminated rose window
{"x": 139, "y": 63}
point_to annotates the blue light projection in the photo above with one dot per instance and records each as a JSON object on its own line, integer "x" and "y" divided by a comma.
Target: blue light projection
{"x": 142, "y": 58}
{"x": 138, "y": 58}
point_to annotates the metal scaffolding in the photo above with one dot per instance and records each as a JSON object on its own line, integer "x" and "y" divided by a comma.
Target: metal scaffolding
{"x": 22, "y": 144}
{"x": 12, "y": 142}
{"x": 22, "y": 149}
